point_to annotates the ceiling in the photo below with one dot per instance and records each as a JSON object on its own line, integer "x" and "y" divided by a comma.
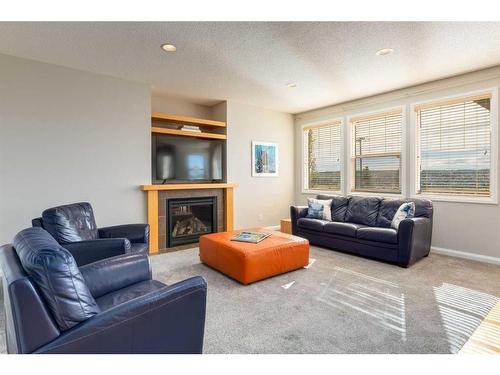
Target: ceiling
{"x": 252, "y": 62}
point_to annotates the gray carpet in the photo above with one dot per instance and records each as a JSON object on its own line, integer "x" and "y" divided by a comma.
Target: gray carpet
{"x": 341, "y": 304}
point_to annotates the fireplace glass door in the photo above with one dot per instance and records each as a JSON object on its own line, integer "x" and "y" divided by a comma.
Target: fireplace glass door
{"x": 189, "y": 218}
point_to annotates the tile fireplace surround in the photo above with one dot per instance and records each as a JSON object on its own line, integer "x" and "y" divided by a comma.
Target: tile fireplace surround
{"x": 158, "y": 195}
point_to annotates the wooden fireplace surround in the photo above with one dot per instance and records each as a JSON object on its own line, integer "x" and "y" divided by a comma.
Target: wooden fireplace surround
{"x": 152, "y": 199}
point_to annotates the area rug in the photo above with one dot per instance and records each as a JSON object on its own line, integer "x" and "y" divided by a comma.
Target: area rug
{"x": 340, "y": 304}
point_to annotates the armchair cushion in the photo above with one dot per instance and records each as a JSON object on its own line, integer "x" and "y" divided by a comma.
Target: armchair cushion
{"x": 71, "y": 223}
{"x": 111, "y": 274}
{"x": 57, "y": 276}
{"x": 124, "y": 295}
{"x": 86, "y": 252}
{"x": 136, "y": 233}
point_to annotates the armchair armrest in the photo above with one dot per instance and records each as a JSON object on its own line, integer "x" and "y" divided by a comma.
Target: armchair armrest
{"x": 414, "y": 239}
{"x": 90, "y": 251}
{"x": 296, "y": 212}
{"x": 169, "y": 320}
{"x": 134, "y": 232}
{"x": 111, "y": 274}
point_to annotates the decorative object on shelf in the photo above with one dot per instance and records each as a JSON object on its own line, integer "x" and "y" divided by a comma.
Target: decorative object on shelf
{"x": 264, "y": 159}
{"x": 191, "y": 128}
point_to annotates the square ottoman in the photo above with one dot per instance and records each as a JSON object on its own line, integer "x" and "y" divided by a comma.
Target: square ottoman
{"x": 248, "y": 262}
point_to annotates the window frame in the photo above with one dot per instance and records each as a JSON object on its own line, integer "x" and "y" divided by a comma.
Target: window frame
{"x": 415, "y": 136}
{"x": 351, "y": 150}
{"x": 305, "y": 156}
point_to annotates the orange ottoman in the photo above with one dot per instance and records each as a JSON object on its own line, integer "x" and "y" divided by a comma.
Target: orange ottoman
{"x": 248, "y": 262}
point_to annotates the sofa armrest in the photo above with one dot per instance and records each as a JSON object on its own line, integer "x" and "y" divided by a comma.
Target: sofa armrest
{"x": 90, "y": 251}
{"x": 296, "y": 212}
{"x": 414, "y": 240}
{"x": 168, "y": 320}
{"x": 111, "y": 274}
{"x": 134, "y": 232}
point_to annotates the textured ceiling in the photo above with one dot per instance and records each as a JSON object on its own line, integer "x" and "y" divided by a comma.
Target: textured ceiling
{"x": 252, "y": 62}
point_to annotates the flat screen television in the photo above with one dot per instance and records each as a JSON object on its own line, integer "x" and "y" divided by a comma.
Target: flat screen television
{"x": 187, "y": 159}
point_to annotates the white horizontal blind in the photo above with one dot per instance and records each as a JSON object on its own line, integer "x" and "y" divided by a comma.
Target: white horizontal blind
{"x": 376, "y": 161}
{"x": 454, "y": 150}
{"x": 323, "y": 149}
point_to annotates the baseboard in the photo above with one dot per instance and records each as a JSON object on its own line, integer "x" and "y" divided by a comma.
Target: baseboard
{"x": 273, "y": 227}
{"x": 465, "y": 255}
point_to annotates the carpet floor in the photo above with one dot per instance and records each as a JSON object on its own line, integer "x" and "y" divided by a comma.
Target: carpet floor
{"x": 340, "y": 304}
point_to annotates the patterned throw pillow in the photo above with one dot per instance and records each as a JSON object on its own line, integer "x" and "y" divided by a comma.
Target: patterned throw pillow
{"x": 319, "y": 209}
{"x": 404, "y": 211}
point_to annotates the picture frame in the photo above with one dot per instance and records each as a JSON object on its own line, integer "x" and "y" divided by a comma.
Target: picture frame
{"x": 265, "y": 159}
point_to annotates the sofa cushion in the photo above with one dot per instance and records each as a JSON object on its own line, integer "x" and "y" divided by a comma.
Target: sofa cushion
{"x": 71, "y": 223}
{"x": 57, "y": 276}
{"x": 363, "y": 210}
{"x": 344, "y": 229}
{"x": 339, "y": 206}
{"x": 314, "y": 224}
{"x": 387, "y": 235}
{"x": 387, "y": 210}
{"x": 128, "y": 293}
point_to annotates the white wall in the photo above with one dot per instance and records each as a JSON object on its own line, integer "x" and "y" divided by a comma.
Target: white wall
{"x": 465, "y": 227}
{"x": 69, "y": 136}
{"x": 180, "y": 107}
{"x": 259, "y": 201}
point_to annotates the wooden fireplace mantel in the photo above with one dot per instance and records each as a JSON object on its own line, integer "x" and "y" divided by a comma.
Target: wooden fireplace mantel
{"x": 152, "y": 199}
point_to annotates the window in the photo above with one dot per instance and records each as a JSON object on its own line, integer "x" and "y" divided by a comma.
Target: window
{"x": 322, "y": 150}
{"x": 376, "y": 153}
{"x": 454, "y": 147}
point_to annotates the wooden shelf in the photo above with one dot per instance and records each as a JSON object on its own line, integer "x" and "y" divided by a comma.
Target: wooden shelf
{"x": 208, "y": 185}
{"x": 186, "y": 120}
{"x": 187, "y": 133}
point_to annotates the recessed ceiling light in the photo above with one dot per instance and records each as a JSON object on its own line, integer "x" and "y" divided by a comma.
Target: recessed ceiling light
{"x": 291, "y": 85}
{"x": 384, "y": 51}
{"x": 168, "y": 47}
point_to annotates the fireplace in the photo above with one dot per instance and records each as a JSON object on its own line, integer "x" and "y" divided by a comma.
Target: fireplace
{"x": 189, "y": 218}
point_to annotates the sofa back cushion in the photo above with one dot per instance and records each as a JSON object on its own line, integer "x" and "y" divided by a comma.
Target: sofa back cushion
{"x": 57, "y": 276}
{"x": 339, "y": 206}
{"x": 71, "y": 223}
{"x": 389, "y": 207}
{"x": 363, "y": 210}
{"x": 387, "y": 210}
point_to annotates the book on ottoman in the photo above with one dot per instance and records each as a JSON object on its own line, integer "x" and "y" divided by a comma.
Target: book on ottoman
{"x": 252, "y": 237}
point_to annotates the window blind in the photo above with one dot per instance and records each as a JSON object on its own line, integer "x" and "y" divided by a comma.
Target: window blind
{"x": 454, "y": 147}
{"x": 323, "y": 149}
{"x": 377, "y": 152}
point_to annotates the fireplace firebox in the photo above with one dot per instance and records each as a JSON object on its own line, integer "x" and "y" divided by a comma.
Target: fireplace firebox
{"x": 189, "y": 218}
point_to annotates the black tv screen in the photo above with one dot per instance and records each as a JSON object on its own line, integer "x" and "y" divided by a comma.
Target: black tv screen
{"x": 185, "y": 159}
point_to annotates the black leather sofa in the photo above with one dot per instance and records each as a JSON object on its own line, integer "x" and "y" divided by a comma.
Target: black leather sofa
{"x": 110, "y": 306}
{"x": 362, "y": 225}
{"x": 73, "y": 225}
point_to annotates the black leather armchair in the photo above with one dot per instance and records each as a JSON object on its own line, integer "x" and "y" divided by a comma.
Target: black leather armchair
{"x": 74, "y": 226}
{"x": 109, "y": 306}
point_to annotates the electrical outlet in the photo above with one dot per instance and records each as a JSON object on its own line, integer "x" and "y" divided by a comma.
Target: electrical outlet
{"x": 261, "y": 217}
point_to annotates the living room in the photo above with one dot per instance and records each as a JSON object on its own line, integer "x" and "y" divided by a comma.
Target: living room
{"x": 311, "y": 187}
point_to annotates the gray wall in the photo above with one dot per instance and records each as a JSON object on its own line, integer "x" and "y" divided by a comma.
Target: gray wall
{"x": 68, "y": 136}
{"x": 471, "y": 228}
{"x": 259, "y": 201}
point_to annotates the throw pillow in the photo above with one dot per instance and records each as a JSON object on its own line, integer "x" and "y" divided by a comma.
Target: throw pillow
{"x": 319, "y": 209}
{"x": 404, "y": 211}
